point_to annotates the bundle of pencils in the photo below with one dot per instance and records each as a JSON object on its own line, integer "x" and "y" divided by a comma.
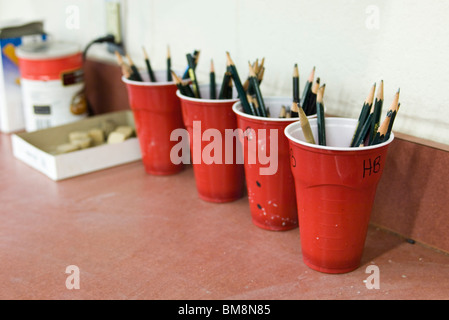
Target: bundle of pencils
{"x": 370, "y": 131}
{"x": 190, "y": 85}
{"x": 308, "y": 101}
{"x": 130, "y": 71}
{"x": 249, "y": 93}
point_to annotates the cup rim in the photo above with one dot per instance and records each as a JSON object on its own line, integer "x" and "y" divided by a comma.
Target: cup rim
{"x": 319, "y": 147}
{"x": 211, "y": 101}
{"x": 239, "y": 112}
{"x": 146, "y": 84}
{"x": 149, "y": 83}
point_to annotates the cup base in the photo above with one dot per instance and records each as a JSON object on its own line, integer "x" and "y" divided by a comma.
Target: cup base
{"x": 329, "y": 270}
{"x": 164, "y": 173}
{"x": 274, "y": 228}
{"x": 218, "y": 200}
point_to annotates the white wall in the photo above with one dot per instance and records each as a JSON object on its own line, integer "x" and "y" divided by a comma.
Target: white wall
{"x": 407, "y": 46}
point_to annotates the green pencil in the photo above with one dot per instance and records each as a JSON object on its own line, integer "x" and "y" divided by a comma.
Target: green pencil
{"x": 254, "y": 83}
{"x": 192, "y": 74}
{"x": 367, "y": 105}
{"x": 238, "y": 84}
{"x": 213, "y": 85}
{"x": 321, "y": 117}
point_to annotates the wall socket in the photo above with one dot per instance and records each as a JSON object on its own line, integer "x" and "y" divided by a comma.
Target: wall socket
{"x": 114, "y": 25}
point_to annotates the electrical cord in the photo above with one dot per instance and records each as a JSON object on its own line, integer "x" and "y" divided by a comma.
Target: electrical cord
{"x": 106, "y": 39}
{"x": 81, "y": 99}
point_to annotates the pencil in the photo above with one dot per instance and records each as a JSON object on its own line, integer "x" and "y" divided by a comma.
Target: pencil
{"x": 229, "y": 89}
{"x": 254, "y": 83}
{"x": 169, "y": 76}
{"x": 394, "y": 109}
{"x": 135, "y": 72}
{"x": 305, "y": 125}
{"x": 253, "y": 102}
{"x": 213, "y": 86}
{"x": 196, "y": 56}
{"x": 246, "y": 84}
{"x": 378, "y": 104}
{"x": 294, "y": 109}
{"x": 308, "y": 88}
{"x": 227, "y": 76}
{"x": 310, "y": 106}
{"x": 295, "y": 84}
{"x": 321, "y": 117}
{"x": 238, "y": 84}
{"x": 183, "y": 87}
{"x": 179, "y": 84}
{"x": 366, "y": 108}
{"x": 192, "y": 75}
{"x": 148, "y": 64}
{"x": 383, "y": 129}
{"x": 283, "y": 112}
{"x": 126, "y": 69}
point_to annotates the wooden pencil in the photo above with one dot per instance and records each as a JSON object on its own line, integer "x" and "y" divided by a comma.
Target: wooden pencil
{"x": 308, "y": 88}
{"x": 135, "y": 72}
{"x": 126, "y": 69}
{"x": 296, "y": 90}
{"x": 305, "y": 125}
{"x": 383, "y": 129}
{"x": 254, "y": 83}
{"x": 366, "y": 108}
{"x": 148, "y": 64}
{"x": 238, "y": 84}
{"x": 283, "y": 112}
{"x": 196, "y": 56}
{"x": 227, "y": 76}
{"x": 253, "y": 102}
{"x": 321, "y": 117}
{"x": 395, "y": 106}
{"x": 294, "y": 109}
{"x": 179, "y": 84}
{"x": 192, "y": 75}
{"x": 213, "y": 85}
{"x": 229, "y": 89}
{"x": 310, "y": 108}
{"x": 378, "y": 104}
{"x": 169, "y": 75}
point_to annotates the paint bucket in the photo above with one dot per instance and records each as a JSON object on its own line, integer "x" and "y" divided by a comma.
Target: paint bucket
{"x": 52, "y": 81}
{"x": 336, "y": 186}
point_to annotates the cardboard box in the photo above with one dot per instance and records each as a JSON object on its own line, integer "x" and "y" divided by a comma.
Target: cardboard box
{"x": 12, "y": 35}
{"x": 38, "y": 149}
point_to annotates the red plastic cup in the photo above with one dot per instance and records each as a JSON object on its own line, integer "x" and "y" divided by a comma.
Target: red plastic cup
{"x": 271, "y": 187}
{"x": 336, "y": 187}
{"x": 218, "y": 179}
{"x": 157, "y": 113}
